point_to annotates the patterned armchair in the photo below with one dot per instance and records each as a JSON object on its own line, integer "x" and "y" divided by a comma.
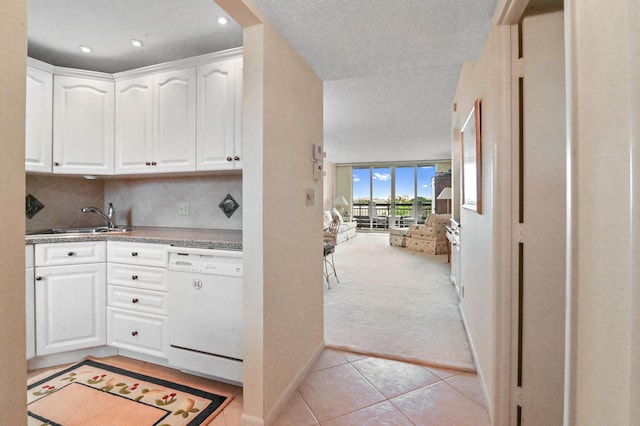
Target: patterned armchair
{"x": 431, "y": 237}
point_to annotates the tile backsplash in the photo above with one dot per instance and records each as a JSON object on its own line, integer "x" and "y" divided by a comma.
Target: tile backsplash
{"x": 63, "y": 199}
{"x": 155, "y": 201}
{"x": 137, "y": 201}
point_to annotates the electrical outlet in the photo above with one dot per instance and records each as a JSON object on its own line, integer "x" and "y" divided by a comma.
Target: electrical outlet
{"x": 183, "y": 208}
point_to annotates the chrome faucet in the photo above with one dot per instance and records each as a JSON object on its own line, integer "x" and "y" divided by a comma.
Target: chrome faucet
{"x": 109, "y": 217}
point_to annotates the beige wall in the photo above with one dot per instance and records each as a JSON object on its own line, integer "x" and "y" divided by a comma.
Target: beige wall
{"x": 282, "y": 118}
{"x": 344, "y": 184}
{"x": 488, "y": 79}
{"x": 13, "y": 51}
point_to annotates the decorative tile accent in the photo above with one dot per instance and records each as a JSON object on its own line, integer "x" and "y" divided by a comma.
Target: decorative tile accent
{"x": 228, "y": 205}
{"x": 33, "y": 206}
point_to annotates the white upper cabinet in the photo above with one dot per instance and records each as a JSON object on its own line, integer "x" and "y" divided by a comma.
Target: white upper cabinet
{"x": 175, "y": 120}
{"x": 83, "y": 125}
{"x": 216, "y": 116}
{"x": 155, "y": 123}
{"x": 38, "y": 120}
{"x": 134, "y": 125}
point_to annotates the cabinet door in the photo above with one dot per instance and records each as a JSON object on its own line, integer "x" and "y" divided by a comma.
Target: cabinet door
{"x": 83, "y": 125}
{"x": 70, "y": 307}
{"x": 38, "y": 120}
{"x": 237, "y": 158}
{"x": 175, "y": 121}
{"x": 134, "y": 124}
{"x": 216, "y": 116}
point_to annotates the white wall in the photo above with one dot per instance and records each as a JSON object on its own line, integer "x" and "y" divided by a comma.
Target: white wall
{"x": 282, "y": 118}
{"x": 602, "y": 81}
{"x": 483, "y": 256}
{"x": 13, "y": 50}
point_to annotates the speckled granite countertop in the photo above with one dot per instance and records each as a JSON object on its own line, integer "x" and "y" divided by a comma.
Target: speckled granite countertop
{"x": 221, "y": 239}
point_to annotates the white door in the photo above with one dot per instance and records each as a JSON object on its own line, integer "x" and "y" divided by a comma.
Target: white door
{"x": 134, "y": 126}
{"x": 83, "y": 125}
{"x": 216, "y": 116}
{"x": 175, "y": 121}
{"x": 70, "y": 307}
{"x": 543, "y": 253}
{"x": 38, "y": 120}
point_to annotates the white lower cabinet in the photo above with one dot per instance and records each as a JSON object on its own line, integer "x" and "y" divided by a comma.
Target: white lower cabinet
{"x": 70, "y": 305}
{"x": 137, "y": 297}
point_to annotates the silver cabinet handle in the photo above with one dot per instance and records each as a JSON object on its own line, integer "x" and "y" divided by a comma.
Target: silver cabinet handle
{"x": 134, "y": 333}
{"x": 134, "y": 253}
{"x": 134, "y": 300}
{"x": 71, "y": 253}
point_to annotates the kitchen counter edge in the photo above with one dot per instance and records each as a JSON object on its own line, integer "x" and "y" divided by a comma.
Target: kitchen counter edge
{"x": 220, "y": 239}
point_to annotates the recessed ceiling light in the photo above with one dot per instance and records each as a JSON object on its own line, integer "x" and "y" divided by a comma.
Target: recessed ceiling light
{"x": 85, "y": 49}
{"x": 136, "y": 43}
{"x": 222, "y": 20}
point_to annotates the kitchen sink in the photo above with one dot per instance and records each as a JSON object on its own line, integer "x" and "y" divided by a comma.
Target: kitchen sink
{"x": 92, "y": 230}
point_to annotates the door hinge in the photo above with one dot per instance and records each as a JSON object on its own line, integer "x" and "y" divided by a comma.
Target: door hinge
{"x": 520, "y": 232}
{"x": 518, "y": 68}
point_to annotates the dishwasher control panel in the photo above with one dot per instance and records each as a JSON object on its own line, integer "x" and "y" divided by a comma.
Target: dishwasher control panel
{"x": 205, "y": 264}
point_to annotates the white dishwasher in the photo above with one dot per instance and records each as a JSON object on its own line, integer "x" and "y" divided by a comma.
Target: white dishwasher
{"x": 205, "y": 312}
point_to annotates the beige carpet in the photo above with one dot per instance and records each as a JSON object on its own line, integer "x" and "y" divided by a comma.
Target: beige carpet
{"x": 395, "y": 303}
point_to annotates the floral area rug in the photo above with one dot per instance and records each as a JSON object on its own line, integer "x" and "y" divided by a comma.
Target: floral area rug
{"x": 97, "y": 394}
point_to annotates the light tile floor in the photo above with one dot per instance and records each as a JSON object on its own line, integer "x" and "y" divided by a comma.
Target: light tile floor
{"x": 347, "y": 389}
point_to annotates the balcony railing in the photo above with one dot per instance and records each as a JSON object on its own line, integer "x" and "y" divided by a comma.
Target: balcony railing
{"x": 360, "y": 212}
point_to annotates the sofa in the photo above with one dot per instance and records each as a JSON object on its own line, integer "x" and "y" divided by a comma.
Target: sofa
{"x": 430, "y": 238}
{"x": 346, "y": 230}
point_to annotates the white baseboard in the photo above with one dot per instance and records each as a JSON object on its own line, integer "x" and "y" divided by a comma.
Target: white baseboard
{"x": 483, "y": 383}
{"x": 283, "y": 400}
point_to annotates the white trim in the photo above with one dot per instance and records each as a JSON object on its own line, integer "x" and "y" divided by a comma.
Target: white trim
{"x": 502, "y": 239}
{"x": 73, "y": 72}
{"x": 634, "y": 148}
{"x": 180, "y": 64}
{"x": 509, "y": 12}
{"x": 572, "y": 278}
{"x": 34, "y": 63}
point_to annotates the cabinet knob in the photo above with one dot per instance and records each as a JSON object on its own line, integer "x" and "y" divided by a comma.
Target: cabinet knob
{"x": 134, "y": 300}
{"x": 229, "y": 159}
{"x": 236, "y": 158}
{"x": 39, "y": 278}
{"x": 153, "y": 163}
{"x": 134, "y": 253}
{"x": 134, "y": 333}
{"x": 55, "y": 163}
{"x": 71, "y": 253}
{"x": 147, "y": 163}
{"x": 134, "y": 277}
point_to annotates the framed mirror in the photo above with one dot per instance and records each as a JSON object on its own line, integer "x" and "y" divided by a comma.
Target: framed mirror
{"x": 472, "y": 160}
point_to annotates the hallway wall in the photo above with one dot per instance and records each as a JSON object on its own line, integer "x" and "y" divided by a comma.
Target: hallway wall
{"x": 482, "y": 301}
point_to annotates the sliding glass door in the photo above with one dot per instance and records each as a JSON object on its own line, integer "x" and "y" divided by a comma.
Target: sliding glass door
{"x": 391, "y": 195}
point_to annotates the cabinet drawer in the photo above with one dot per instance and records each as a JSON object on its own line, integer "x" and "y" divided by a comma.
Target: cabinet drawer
{"x": 145, "y": 277}
{"x": 137, "y": 253}
{"x": 55, "y": 254}
{"x": 139, "y": 332}
{"x": 152, "y": 302}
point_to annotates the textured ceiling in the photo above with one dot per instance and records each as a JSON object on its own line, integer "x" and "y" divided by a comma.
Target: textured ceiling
{"x": 390, "y": 69}
{"x": 390, "y": 66}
